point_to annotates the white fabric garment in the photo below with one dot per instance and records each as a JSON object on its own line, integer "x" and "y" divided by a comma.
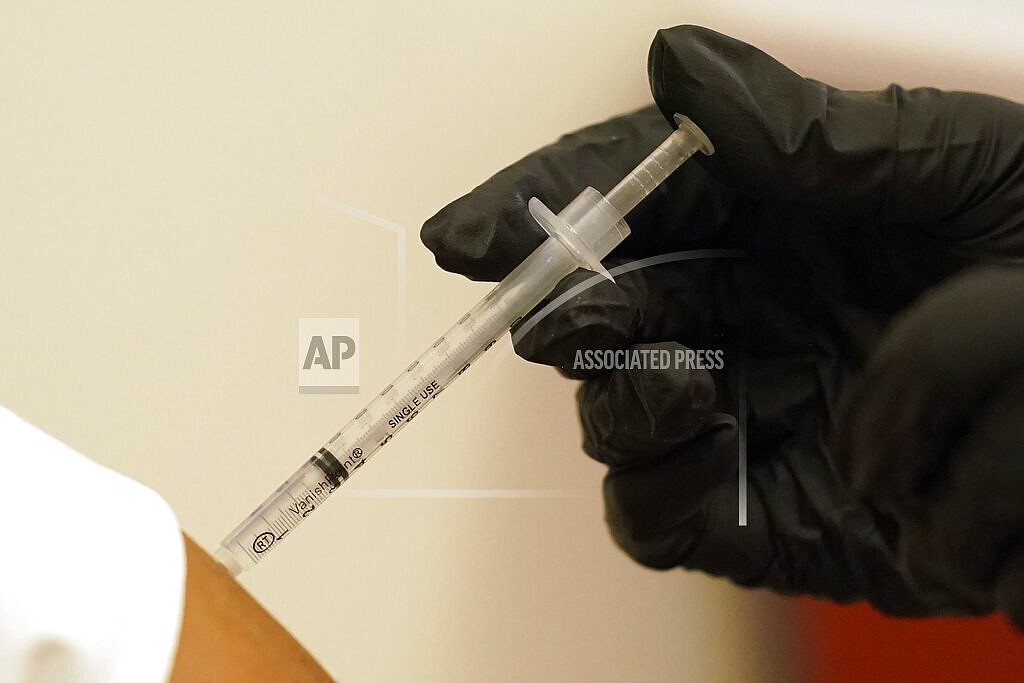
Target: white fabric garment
{"x": 92, "y": 568}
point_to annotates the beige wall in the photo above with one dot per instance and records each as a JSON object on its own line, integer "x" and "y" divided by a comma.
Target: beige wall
{"x": 161, "y": 235}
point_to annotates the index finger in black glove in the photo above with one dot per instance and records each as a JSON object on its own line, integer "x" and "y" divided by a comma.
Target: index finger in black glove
{"x": 486, "y": 233}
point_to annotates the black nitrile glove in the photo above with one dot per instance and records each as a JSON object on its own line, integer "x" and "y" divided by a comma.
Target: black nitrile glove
{"x": 850, "y": 319}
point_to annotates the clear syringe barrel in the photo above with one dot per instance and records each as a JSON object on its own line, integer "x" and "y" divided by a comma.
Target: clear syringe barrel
{"x": 584, "y": 232}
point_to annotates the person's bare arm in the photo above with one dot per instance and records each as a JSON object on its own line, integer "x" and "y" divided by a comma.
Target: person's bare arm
{"x": 227, "y": 636}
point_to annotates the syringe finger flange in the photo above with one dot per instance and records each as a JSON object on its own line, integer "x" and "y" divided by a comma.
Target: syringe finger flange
{"x": 589, "y": 227}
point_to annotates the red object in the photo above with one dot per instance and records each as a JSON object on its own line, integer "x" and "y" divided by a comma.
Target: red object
{"x": 847, "y": 644}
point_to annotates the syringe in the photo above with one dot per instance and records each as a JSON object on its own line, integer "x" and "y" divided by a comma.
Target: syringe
{"x": 580, "y": 235}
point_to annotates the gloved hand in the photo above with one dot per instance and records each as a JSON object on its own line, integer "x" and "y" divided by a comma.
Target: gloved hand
{"x": 882, "y": 344}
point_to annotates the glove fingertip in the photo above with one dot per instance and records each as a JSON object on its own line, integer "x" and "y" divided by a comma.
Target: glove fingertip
{"x": 631, "y": 416}
{"x": 480, "y": 246}
{"x": 589, "y": 316}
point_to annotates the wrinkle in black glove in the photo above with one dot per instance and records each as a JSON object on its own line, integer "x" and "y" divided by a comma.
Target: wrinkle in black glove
{"x": 858, "y": 211}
